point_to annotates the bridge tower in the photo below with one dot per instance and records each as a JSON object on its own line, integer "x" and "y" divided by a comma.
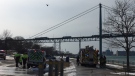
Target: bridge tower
{"x": 57, "y": 46}
{"x": 79, "y": 45}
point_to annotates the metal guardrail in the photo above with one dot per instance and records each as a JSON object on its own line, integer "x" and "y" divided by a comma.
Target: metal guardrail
{"x": 121, "y": 63}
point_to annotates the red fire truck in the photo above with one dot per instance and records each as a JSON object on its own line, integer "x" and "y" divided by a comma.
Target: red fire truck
{"x": 88, "y": 56}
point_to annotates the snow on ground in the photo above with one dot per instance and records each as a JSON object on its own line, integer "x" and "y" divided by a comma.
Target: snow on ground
{"x": 123, "y": 73}
{"x": 9, "y": 57}
{"x": 114, "y": 66}
{"x": 71, "y": 70}
{"x": 119, "y": 67}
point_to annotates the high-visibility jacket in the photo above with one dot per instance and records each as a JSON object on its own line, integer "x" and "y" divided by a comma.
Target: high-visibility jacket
{"x": 17, "y": 55}
{"x": 20, "y": 60}
{"x": 25, "y": 56}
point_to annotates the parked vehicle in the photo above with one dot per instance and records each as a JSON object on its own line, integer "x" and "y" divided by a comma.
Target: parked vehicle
{"x": 50, "y": 57}
{"x": 3, "y": 54}
{"x": 66, "y": 36}
{"x": 88, "y": 56}
{"x": 41, "y": 38}
{"x": 35, "y": 57}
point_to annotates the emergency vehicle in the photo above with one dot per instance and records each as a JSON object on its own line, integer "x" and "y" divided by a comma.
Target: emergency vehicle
{"x": 88, "y": 56}
{"x": 3, "y": 54}
{"x": 35, "y": 57}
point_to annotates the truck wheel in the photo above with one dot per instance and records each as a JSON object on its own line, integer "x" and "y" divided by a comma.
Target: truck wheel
{"x": 44, "y": 66}
{"x": 94, "y": 65}
{"x": 82, "y": 65}
{"x": 4, "y": 58}
{"x": 28, "y": 66}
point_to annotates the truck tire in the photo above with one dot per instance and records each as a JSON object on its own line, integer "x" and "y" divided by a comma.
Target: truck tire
{"x": 4, "y": 58}
{"x": 94, "y": 65}
{"x": 82, "y": 65}
{"x": 28, "y": 66}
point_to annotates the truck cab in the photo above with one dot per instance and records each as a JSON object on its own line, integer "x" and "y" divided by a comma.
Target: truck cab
{"x": 35, "y": 57}
{"x": 88, "y": 56}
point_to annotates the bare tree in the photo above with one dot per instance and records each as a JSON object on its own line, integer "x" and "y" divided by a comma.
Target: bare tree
{"x": 6, "y": 34}
{"x": 18, "y": 45}
{"x": 121, "y": 21}
{"x": 21, "y": 45}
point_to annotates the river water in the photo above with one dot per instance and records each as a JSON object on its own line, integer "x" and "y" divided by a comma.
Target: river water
{"x": 121, "y": 58}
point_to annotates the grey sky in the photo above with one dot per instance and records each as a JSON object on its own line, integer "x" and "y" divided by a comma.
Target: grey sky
{"x": 28, "y": 17}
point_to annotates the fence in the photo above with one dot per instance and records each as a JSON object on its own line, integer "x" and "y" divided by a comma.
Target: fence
{"x": 121, "y": 63}
{"x": 59, "y": 67}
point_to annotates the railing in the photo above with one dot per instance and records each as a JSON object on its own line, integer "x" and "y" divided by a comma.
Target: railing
{"x": 121, "y": 63}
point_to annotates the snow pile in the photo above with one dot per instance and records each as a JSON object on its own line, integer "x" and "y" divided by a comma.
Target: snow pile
{"x": 114, "y": 66}
{"x": 71, "y": 70}
{"x": 119, "y": 67}
{"x": 123, "y": 73}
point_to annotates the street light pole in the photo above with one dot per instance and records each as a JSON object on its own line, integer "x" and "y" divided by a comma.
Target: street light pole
{"x": 100, "y": 30}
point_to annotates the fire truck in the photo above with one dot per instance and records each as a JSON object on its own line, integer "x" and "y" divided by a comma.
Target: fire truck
{"x": 88, "y": 56}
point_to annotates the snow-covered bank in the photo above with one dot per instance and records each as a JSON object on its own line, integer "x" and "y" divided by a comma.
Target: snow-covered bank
{"x": 119, "y": 67}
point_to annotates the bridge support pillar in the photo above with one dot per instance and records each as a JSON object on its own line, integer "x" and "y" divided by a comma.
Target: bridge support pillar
{"x": 54, "y": 45}
{"x": 59, "y": 45}
{"x": 79, "y": 45}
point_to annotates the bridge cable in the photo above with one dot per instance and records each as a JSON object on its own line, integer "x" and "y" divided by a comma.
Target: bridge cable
{"x": 60, "y": 25}
{"x": 107, "y": 7}
{"x": 66, "y": 21}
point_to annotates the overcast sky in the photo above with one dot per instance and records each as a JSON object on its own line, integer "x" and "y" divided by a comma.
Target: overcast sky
{"x": 28, "y": 17}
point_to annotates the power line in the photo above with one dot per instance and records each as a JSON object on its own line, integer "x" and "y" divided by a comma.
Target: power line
{"x": 107, "y": 7}
{"x": 66, "y": 21}
{"x": 61, "y": 25}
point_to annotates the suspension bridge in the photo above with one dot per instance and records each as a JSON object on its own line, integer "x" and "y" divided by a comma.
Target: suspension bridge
{"x": 37, "y": 39}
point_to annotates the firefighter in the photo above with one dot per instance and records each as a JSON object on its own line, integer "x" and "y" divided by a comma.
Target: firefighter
{"x": 101, "y": 62}
{"x": 77, "y": 60}
{"x": 104, "y": 61}
{"x": 24, "y": 58}
{"x": 17, "y": 57}
{"x": 20, "y": 60}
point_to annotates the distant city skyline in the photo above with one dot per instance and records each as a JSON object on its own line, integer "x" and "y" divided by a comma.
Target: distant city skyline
{"x": 109, "y": 52}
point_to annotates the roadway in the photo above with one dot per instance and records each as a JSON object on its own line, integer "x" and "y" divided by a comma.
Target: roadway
{"x": 89, "y": 71}
{"x": 7, "y": 68}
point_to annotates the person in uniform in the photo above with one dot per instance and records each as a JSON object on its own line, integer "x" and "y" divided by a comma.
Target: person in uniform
{"x": 101, "y": 62}
{"x": 104, "y": 60}
{"x": 17, "y": 57}
{"x": 24, "y": 58}
{"x": 77, "y": 60}
{"x": 20, "y": 60}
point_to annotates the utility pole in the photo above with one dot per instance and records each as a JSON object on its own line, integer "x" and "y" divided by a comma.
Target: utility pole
{"x": 100, "y": 30}
{"x": 54, "y": 45}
